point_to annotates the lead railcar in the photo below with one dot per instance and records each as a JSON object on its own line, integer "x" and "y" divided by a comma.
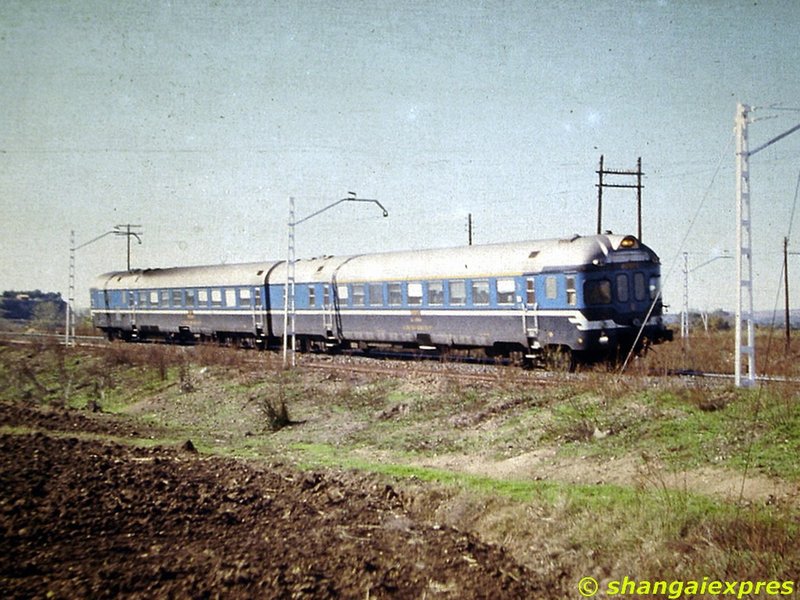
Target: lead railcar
{"x": 582, "y": 298}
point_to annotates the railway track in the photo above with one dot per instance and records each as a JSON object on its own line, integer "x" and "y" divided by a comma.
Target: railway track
{"x": 430, "y": 368}
{"x": 17, "y": 337}
{"x": 395, "y": 366}
{"x": 400, "y": 365}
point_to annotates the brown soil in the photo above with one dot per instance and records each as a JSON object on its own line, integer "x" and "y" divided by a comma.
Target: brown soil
{"x": 90, "y": 518}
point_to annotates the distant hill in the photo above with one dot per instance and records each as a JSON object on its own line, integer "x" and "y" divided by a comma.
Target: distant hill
{"x": 763, "y": 318}
{"x": 767, "y": 318}
{"x": 32, "y": 305}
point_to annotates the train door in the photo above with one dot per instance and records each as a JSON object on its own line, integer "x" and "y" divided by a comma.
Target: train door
{"x": 258, "y": 310}
{"x": 328, "y": 309}
{"x": 530, "y": 309}
{"x": 132, "y": 308}
{"x": 330, "y": 314}
{"x": 106, "y": 307}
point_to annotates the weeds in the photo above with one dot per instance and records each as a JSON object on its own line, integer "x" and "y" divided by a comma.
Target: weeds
{"x": 276, "y": 412}
{"x": 654, "y": 522}
{"x": 273, "y": 403}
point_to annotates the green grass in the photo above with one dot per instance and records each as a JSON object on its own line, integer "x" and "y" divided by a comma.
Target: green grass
{"x": 633, "y": 529}
{"x": 582, "y": 497}
{"x": 686, "y": 429}
{"x": 389, "y": 426}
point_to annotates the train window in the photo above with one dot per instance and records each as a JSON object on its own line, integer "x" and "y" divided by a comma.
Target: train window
{"x": 312, "y": 295}
{"x": 177, "y": 297}
{"x": 435, "y": 293}
{"x": 395, "y": 294}
{"x": 623, "y": 293}
{"x": 154, "y": 298}
{"x": 551, "y": 287}
{"x": 230, "y": 298}
{"x": 572, "y": 294}
{"x": 597, "y": 291}
{"x": 190, "y": 297}
{"x": 376, "y": 294}
{"x": 655, "y": 287}
{"x": 216, "y": 297}
{"x": 458, "y": 293}
{"x": 164, "y": 298}
{"x": 326, "y": 294}
{"x": 343, "y": 293}
{"x": 244, "y": 297}
{"x": 530, "y": 291}
{"x": 202, "y": 297}
{"x": 358, "y": 294}
{"x": 415, "y": 294}
{"x": 143, "y": 299}
{"x": 480, "y": 292}
{"x": 639, "y": 288}
{"x": 505, "y": 291}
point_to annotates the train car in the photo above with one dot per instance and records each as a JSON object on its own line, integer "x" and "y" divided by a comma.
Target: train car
{"x": 583, "y": 298}
{"x": 562, "y": 300}
{"x": 184, "y": 304}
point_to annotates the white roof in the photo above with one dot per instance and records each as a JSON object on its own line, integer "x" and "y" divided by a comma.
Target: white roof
{"x": 494, "y": 260}
{"x": 242, "y": 274}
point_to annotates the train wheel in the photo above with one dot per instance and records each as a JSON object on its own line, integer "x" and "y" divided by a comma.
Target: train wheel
{"x": 559, "y": 359}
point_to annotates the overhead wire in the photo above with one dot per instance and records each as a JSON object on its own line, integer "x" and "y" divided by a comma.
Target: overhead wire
{"x": 681, "y": 246}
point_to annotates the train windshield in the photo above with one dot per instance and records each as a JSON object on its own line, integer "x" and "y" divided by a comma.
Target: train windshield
{"x": 597, "y": 291}
{"x": 625, "y": 288}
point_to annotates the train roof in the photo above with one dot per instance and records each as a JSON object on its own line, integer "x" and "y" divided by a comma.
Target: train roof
{"x": 505, "y": 259}
{"x": 536, "y": 256}
{"x": 239, "y": 274}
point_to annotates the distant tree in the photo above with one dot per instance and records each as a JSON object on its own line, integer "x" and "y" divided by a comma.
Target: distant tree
{"x": 46, "y": 316}
{"x": 23, "y": 306}
{"x": 720, "y": 321}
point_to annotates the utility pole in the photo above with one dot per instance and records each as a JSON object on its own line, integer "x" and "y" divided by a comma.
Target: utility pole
{"x": 601, "y": 184}
{"x": 744, "y": 246}
{"x": 787, "y": 324}
{"x": 127, "y": 231}
{"x": 69, "y": 329}
{"x": 289, "y": 307}
{"x": 469, "y": 228}
{"x": 685, "y": 311}
{"x": 744, "y": 255}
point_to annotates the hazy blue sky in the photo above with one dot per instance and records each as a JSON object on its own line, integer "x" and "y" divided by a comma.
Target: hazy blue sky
{"x": 198, "y": 119}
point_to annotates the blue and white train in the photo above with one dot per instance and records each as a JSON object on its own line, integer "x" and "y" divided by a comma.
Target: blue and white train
{"x": 585, "y": 298}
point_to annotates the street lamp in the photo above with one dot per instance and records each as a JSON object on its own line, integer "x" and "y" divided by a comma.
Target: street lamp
{"x": 686, "y": 271}
{"x": 289, "y": 315}
{"x": 69, "y": 328}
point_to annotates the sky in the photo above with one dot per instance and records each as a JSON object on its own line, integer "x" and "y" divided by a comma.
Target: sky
{"x": 198, "y": 119}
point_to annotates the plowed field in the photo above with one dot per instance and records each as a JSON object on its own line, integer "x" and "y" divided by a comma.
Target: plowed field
{"x": 83, "y": 517}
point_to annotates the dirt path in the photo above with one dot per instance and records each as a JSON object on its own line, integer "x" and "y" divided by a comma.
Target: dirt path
{"x": 546, "y": 464}
{"x": 87, "y": 518}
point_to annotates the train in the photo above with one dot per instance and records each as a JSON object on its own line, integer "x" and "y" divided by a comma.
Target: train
{"x": 557, "y": 301}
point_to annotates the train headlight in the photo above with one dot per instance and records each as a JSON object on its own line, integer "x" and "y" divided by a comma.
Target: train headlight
{"x": 629, "y": 242}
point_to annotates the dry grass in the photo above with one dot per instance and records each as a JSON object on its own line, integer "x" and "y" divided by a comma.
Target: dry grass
{"x": 646, "y": 526}
{"x": 714, "y": 352}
